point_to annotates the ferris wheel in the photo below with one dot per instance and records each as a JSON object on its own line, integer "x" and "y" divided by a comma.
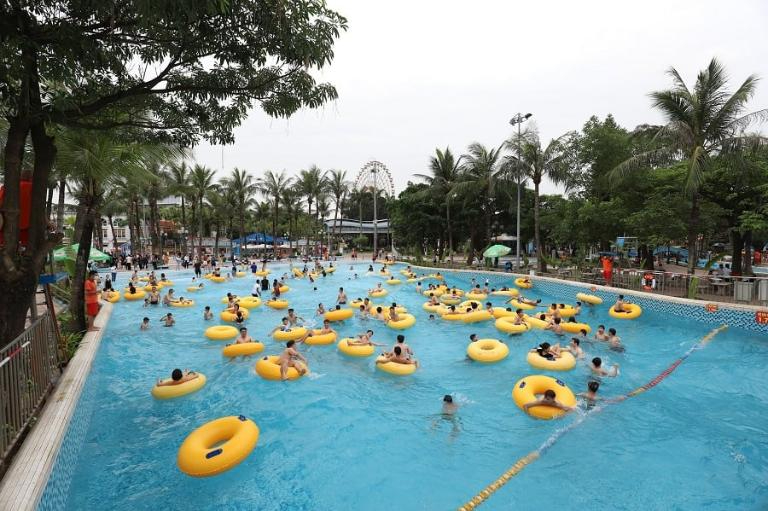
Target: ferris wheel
{"x": 374, "y": 177}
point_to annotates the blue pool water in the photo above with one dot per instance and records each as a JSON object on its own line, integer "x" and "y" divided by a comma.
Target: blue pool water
{"x": 351, "y": 436}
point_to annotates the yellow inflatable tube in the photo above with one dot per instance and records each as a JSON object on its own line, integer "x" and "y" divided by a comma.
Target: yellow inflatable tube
{"x": 566, "y": 362}
{"x": 521, "y": 283}
{"x": 394, "y": 367}
{"x": 520, "y": 305}
{"x": 431, "y": 307}
{"x": 269, "y": 369}
{"x": 192, "y": 289}
{"x": 450, "y": 300}
{"x": 217, "y": 446}
{"x": 508, "y": 292}
{"x": 478, "y": 315}
{"x": 633, "y": 309}
{"x": 181, "y": 389}
{"x": 294, "y": 333}
{"x": 249, "y": 302}
{"x": 242, "y": 349}
{"x": 535, "y": 322}
{"x": 320, "y": 339}
{"x": 527, "y": 389}
{"x": 501, "y": 312}
{"x": 487, "y": 350}
{"x": 113, "y": 297}
{"x": 405, "y": 321}
{"x": 138, "y": 295}
{"x": 591, "y": 299}
{"x": 218, "y": 280}
{"x": 355, "y": 351}
{"x": 339, "y": 314}
{"x": 468, "y": 303}
{"x": 394, "y": 282}
{"x": 476, "y": 296}
{"x": 277, "y": 304}
{"x": 506, "y": 324}
{"x": 262, "y": 273}
{"x": 377, "y": 293}
{"x": 221, "y": 332}
{"x": 436, "y": 292}
{"x": 179, "y": 303}
{"x": 230, "y": 316}
{"x": 575, "y": 328}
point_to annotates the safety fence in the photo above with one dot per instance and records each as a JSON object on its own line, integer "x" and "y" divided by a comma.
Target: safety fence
{"x": 29, "y": 368}
{"x": 532, "y": 456}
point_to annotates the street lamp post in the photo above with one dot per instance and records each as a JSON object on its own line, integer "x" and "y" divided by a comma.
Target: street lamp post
{"x": 518, "y": 120}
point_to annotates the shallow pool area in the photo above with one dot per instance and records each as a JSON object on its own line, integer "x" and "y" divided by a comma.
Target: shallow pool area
{"x": 349, "y": 435}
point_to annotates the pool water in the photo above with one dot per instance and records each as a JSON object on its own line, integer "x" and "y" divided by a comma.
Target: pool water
{"x": 352, "y": 436}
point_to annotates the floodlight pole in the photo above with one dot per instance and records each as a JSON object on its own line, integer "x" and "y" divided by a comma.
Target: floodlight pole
{"x": 518, "y": 120}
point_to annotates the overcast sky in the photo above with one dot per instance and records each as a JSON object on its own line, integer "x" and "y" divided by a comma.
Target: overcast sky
{"x": 416, "y": 75}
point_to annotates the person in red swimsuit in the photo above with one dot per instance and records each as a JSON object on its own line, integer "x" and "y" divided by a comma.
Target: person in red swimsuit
{"x": 25, "y": 206}
{"x": 91, "y": 300}
{"x": 607, "y": 269}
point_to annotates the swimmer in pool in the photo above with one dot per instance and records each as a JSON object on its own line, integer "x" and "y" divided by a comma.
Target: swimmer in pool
{"x": 600, "y": 335}
{"x": 598, "y": 369}
{"x": 548, "y": 399}
{"x": 178, "y": 377}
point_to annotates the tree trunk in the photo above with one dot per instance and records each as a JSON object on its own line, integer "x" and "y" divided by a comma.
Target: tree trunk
{"x": 693, "y": 224}
{"x": 99, "y": 233}
{"x": 49, "y": 201}
{"x": 112, "y": 231}
{"x": 274, "y": 229}
{"x": 646, "y": 257}
{"x": 200, "y": 226}
{"x": 335, "y": 217}
{"x": 153, "y": 223}
{"x": 77, "y": 299}
{"x": 539, "y": 249}
{"x": 60, "y": 206}
{"x": 747, "y": 237}
{"x": 184, "y": 225}
{"x": 449, "y": 229}
{"x": 737, "y": 242}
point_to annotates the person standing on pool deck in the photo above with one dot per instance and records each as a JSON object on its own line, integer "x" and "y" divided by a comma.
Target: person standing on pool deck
{"x": 91, "y": 300}
{"x": 290, "y": 357}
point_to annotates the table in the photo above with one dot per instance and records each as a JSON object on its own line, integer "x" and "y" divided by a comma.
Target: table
{"x": 721, "y": 285}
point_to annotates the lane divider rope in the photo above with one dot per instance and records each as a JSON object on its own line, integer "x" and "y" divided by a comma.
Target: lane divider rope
{"x": 532, "y": 456}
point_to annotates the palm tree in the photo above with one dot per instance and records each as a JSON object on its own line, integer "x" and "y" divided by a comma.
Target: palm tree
{"x": 534, "y": 162}
{"x": 311, "y": 182}
{"x": 243, "y": 187}
{"x": 180, "y": 185}
{"x": 201, "y": 181}
{"x": 338, "y": 187}
{"x": 291, "y": 198}
{"x": 445, "y": 172}
{"x": 272, "y": 186}
{"x": 702, "y": 122}
{"x": 477, "y": 182}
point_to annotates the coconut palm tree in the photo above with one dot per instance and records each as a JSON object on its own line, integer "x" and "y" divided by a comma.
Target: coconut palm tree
{"x": 201, "y": 181}
{"x": 180, "y": 186}
{"x": 272, "y": 185}
{"x": 702, "y": 122}
{"x": 477, "y": 183}
{"x": 338, "y": 187}
{"x": 291, "y": 199}
{"x": 243, "y": 187}
{"x": 534, "y": 162}
{"x": 445, "y": 172}
{"x": 311, "y": 182}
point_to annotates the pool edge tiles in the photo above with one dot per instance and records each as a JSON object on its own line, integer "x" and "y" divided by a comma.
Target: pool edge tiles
{"x": 734, "y": 315}
{"x": 27, "y": 478}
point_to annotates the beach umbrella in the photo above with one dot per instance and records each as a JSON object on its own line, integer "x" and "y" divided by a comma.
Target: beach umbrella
{"x": 69, "y": 252}
{"x": 496, "y": 251}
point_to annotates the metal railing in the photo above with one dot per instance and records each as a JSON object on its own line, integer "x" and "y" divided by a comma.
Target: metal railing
{"x": 29, "y": 368}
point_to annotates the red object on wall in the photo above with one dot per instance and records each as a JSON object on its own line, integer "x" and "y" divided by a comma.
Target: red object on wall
{"x": 761, "y": 317}
{"x": 758, "y": 257}
{"x": 25, "y": 209}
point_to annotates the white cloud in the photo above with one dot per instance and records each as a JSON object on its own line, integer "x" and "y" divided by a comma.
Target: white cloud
{"x": 415, "y": 75}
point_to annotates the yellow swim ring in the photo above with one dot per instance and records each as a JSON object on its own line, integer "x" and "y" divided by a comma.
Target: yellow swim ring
{"x": 521, "y": 305}
{"x": 261, "y": 273}
{"x": 355, "y": 351}
{"x": 138, "y": 295}
{"x": 277, "y": 304}
{"x": 269, "y": 369}
{"x": 378, "y": 293}
{"x": 149, "y": 287}
{"x": 339, "y": 314}
{"x": 526, "y": 390}
{"x": 330, "y": 270}
{"x": 436, "y": 292}
{"x": 240, "y": 274}
{"x": 506, "y": 292}
{"x": 506, "y": 324}
{"x": 249, "y": 302}
{"x": 450, "y": 300}
{"x": 591, "y": 299}
{"x": 468, "y": 303}
{"x": 487, "y": 350}
{"x": 565, "y": 312}
{"x": 318, "y": 338}
{"x": 113, "y": 297}
{"x": 475, "y": 316}
{"x": 296, "y": 332}
{"x": 181, "y": 389}
{"x": 394, "y": 282}
{"x": 218, "y": 279}
{"x": 217, "y": 446}
{"x": 297, "y": 272}
{"x": 284, "y": 289}
{"x": 143, "y": 279}
{"x": 394, "y": 367}
{"x": 230, "y": 316}
{"x": 221, "y": 332}
{"x": 405, "y": 321}
{"x": 192, "y": 289}
{"x": 179, "y": 303}
{"x": 521, "y": 283}
{"x": 242, "y": 349}
{"x": 475, "y": 296}
{"x": 566, "y": 362}
{"x": 575, "y": 328}
{"x": 633, "y": 309}
{"x": 431, "y": 307}
{"x": 535, "y": 322}
{"x": 501, "y": 312}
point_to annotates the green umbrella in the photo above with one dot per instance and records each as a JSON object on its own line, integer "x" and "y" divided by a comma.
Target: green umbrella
{"x": 69, "y": 252}
{"x": 496, "y": 251}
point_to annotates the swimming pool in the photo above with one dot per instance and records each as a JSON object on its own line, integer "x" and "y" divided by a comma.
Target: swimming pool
{"x": 352, "y": 436}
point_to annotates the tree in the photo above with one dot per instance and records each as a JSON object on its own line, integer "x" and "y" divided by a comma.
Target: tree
{"x": 184, "y": 70}
{"x": 536, "y": 162}
{"x": 445, "y": 173}
{"x": 311, "y": 183}
{"x": 180, "y": 186}
{"x": 338, "y": 188}
{"x": 243, "y": 187}
{"x": 201, "y": 181}
{"x": 701, "y": 122}
{"x": 479, "y": 173}
{"x": 272, "y": 186}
